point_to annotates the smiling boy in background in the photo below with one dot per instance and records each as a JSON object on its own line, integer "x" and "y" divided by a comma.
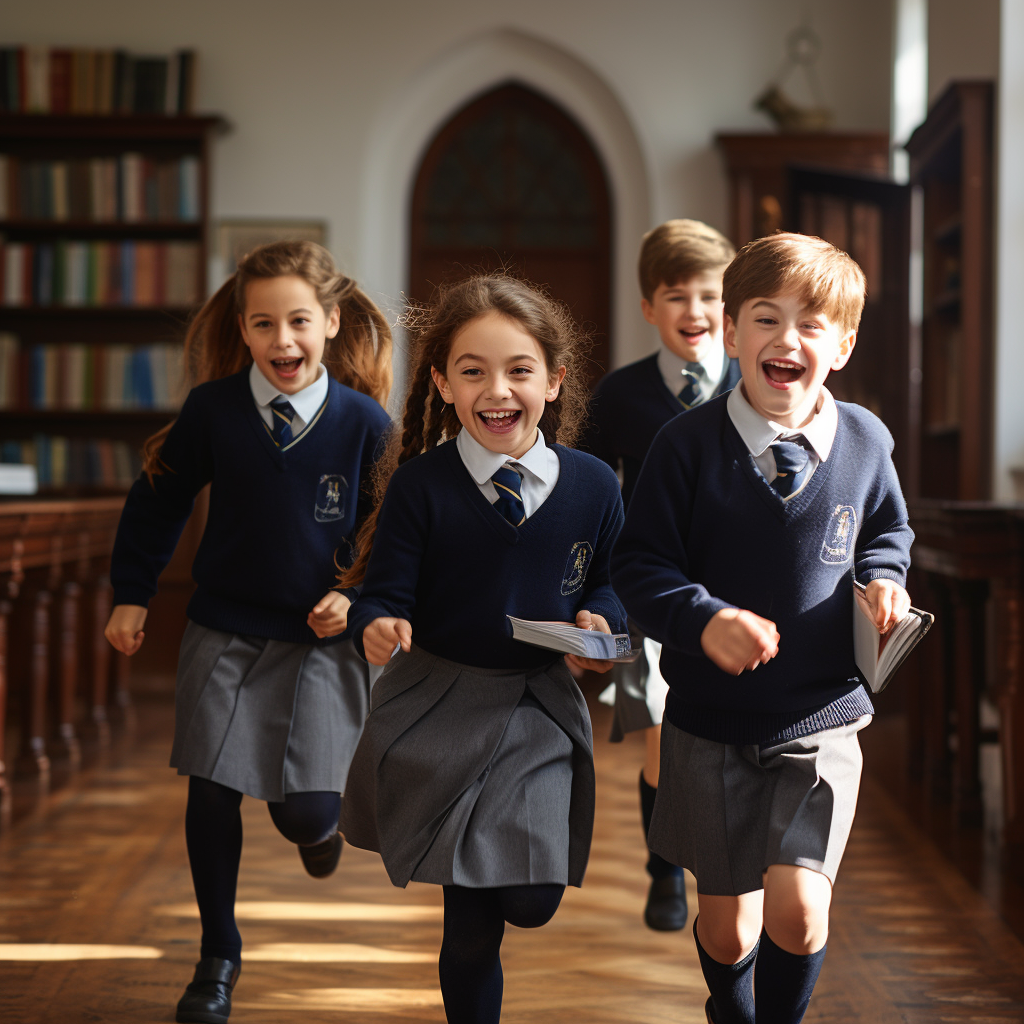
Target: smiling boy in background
{"x": 681, "y": 265}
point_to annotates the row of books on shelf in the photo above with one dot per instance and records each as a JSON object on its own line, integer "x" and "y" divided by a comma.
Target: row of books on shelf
{"x": 90, "y": 377}
{"x": 60, "y": 80}
{"x": 74, "y": 461}
{"x": 130, "y": 188}
{"x": 128, "y": 273}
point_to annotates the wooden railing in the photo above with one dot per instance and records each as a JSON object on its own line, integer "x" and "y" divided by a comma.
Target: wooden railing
{"x": 59, "y": 678}
{"x": 970, "y": 557}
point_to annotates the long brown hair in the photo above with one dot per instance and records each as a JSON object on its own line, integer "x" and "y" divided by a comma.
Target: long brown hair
{"x": 428, "y": 419}
{"x": 359, "y": 355}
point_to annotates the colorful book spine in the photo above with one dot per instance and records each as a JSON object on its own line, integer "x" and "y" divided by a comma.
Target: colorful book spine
{"x": 144, "y": 274}
{"x": 63, "y": 462}
{"x": 44, "y": 80}
{"x": 131, "y": 188}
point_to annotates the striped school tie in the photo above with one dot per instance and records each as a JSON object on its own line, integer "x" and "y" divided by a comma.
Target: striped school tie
{"x": 691, "y": 393}
{"x": 507, "y": 482}
{"x": 282, "y": 414}
{"x": 791, "y": 465}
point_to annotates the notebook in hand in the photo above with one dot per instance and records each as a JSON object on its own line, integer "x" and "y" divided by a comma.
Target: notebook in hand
{"x": 569, "y": 639}
{"x": 878, "y": 655}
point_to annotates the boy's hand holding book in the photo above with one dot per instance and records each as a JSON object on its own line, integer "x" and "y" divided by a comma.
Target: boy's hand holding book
{"x": 886, "y": 628}
{"x": 737, "y": 640}
{"x": 888, "y": 603}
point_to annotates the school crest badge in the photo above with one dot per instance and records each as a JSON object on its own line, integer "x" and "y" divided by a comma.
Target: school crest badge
{"x": 581, "y": 554}
{"x": 331, "y": 495}
{"x": 840, "y": 537}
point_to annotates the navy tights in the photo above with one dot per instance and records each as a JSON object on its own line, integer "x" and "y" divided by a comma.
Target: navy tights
{"x": 213, "y": 835}
{"x": 474, "y": 923}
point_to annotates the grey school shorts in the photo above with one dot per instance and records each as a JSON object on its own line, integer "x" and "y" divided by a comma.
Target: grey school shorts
{"x": 729, "y": 812}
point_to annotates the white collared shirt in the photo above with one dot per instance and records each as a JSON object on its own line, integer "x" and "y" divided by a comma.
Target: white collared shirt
{"x": 672, "y": 366}
{"x": 539, "y": 469}
{"x": 759, "y": 434}
{"x": 305, "y": 402}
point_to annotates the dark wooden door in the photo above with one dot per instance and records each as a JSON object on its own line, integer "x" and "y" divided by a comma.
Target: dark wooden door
{"x": 869, "y": 218}
{"x": 512, "y": 181}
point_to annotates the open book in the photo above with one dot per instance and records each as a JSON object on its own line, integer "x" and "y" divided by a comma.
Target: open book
{"x": 878, "y": 656}
{"x": 569, "y": 639}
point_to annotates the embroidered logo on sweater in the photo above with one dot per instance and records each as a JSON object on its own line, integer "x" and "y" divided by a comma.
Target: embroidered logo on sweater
{"x": 837, "y": 547}
{"x": 581, "y": 554}
{"x": 330, "y": 498}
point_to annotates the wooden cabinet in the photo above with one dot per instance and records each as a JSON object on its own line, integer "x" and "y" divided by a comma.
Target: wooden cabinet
{"x": 758, "y": 165}
{"x": 60, "y": 681}
{"x": 951, "y": 164}
{"x": 103, "y": 238}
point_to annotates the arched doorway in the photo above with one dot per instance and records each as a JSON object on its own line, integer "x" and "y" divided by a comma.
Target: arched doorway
{"x": 512, "y": 180}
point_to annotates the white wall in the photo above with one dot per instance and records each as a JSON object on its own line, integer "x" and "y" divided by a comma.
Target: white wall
{"x": 306, "y": 84}
{"x": 963, "y": 41}
{"x": 1009, "y": 353}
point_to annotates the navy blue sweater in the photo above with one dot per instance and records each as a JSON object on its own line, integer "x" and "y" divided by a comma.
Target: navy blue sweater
{"x": 705, "y": 531}
{"x": 445, "y": 559}
{"x": 630, "y": 405}
{"x": 279, "y": 521}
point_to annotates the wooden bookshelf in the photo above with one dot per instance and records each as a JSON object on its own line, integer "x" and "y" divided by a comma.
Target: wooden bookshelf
{"x": 951, "y": 162}
{"x": 758, "y": 165}
{"x": 104, "y": 231}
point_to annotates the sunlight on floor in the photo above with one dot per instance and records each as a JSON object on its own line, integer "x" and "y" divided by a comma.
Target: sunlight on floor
{"x": 380, "y": 1000}
{"x": 255, "y": 910}
{"x": 73, "y": 951}
{"x": 333, "y": 952}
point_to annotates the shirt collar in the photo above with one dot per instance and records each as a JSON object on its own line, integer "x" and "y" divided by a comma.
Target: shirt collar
{"x": 671, "y": 366}
{"x": 758, "y": 433}
{"x": 305, "y": 402}
{"x": 482, "y": 463}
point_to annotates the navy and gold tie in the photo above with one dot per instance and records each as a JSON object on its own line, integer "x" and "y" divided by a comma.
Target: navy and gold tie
{"x": 791, "y": 465}
{"x": 691, "y": 393}
{"x": 508, "y": 483}
{"x": 282, "y": 414}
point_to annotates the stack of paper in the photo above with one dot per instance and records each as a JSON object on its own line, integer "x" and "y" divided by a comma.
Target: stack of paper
{"x": 569, "y": 639}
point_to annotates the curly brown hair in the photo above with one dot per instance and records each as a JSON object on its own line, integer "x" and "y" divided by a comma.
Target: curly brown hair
{"x": 359, "y": 355}
{"x": 427, "y": 420}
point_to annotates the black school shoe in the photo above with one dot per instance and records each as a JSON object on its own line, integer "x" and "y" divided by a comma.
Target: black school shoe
{"x": 207, "y": 998}
{"x": 321, "y": 859}
{"x": 666, "y": 908}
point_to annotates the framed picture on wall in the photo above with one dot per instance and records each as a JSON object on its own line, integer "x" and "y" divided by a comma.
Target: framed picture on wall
{"x": 234, "y": 238}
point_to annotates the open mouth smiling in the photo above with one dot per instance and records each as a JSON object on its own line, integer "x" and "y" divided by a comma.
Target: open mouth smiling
{"x": 500, "y": 421}
{"x": 780, "y": 373}
{"x": 286, "y": 367}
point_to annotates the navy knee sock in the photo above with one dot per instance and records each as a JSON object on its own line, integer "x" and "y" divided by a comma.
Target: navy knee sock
{"x": 529, "y": 906}
{"x": 783, "y": 982}
{"x": 469, "y": 966}
{"x": 730, "y": 985}
{"x": 657, "y": 866}
{"x": 307, "y": 819}
{"x": 213, "y": 835}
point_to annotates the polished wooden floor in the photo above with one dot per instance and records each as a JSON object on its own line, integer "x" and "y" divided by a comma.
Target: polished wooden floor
{"x": 97, "y": 923}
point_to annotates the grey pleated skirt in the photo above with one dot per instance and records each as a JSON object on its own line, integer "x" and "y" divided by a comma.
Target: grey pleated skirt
{"x": 474, "y": 777}
{"x": 729, "y": 812}
{"x": 266, "y": 717}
